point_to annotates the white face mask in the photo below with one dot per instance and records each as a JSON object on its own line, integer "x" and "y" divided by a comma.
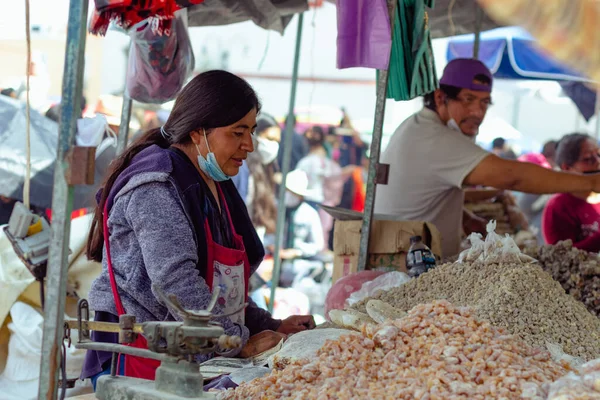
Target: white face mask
{"x": 291, "y": 200}
{"x": 267, "y": 150}
{"x": 452, "y": 124}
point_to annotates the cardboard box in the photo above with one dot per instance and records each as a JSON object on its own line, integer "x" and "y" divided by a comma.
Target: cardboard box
{"x": 389, "y": 243}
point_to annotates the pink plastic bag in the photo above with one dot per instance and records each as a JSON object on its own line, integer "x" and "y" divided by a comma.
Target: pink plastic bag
{"x": 344, "y": 287}
{"x": 159, "y": 65}
{"x": 364, "y": 34}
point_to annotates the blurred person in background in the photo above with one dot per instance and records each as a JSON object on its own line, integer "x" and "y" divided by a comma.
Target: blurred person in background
{"x": 571, "y": 216}
{"x": 549, "y": 152}
{"x": 266, "y": 141}
{"x": 532, "y": 205}
{"x": 39, "y": 84}
{"x": 53, "y": 112}
{"x": 299, "y": 146}
{"x": 303, "y": 234}
{"x": 262, "y": 165}
{"x": 499, "y": 146}
{"x": 325, "y": 177}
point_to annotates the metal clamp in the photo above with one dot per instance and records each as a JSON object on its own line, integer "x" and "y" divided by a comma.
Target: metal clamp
{"x": 126, "y": 325}
{"x": 83, "y": 317}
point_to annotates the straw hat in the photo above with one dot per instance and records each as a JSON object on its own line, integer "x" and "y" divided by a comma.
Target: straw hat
{"x": 297, "y": 182}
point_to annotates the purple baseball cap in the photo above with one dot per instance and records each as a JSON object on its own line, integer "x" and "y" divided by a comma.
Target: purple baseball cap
{"x": 461, "y": 73}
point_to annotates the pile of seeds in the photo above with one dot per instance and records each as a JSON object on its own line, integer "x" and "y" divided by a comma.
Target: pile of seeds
{"x": 523, "y": 299}
{"x": 438, "y": 351}
{"x": 577, "y": 271}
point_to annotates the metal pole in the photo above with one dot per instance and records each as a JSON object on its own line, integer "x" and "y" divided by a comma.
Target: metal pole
{"x": 123, "y": 136}
{"x": 597, "y": 133}
{"x": 285, "y": 168}
{"x": 478, "y": 21}
{"x": 62, "y": 201}
{"x": 382, "y": 83}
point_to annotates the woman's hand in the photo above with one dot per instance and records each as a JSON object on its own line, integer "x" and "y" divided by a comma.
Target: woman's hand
{"x": 260, "y": 343}
{"x": 296, "y": 323}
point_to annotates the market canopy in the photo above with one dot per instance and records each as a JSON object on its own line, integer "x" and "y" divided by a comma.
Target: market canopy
{"x": 268, "y": 14}
{"x": 512, "y": 53}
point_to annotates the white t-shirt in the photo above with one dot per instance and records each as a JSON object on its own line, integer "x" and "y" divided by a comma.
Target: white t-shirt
{"x": 318, "y": 169}
{"x": 428, "y": 165}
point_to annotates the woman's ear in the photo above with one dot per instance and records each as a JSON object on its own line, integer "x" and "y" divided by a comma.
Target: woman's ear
{"x": 196, "y": 137}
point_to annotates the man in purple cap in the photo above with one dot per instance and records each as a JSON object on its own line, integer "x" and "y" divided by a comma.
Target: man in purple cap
{"x": 433, "y": 154}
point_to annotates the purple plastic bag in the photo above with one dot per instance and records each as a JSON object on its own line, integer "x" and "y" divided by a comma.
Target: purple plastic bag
{"x": 364, "y": 34}
{"x": 159, "y": 65}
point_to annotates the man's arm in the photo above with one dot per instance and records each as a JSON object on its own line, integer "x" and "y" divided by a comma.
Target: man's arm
{"x": 529, "y": 178}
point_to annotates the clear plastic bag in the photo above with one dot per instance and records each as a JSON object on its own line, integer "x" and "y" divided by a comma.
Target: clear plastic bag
{"x": 473, "y": 253}
{"x": 159, "y": 65}
{"x": 558, "y": 355}
{"x": 492, "y": 248}
{"x": 591, "y": 366}
{"x": 381, "y": 283}
{"x": 511, "y": 254}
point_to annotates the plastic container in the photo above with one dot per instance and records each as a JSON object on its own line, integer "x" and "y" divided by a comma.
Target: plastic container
{"x": 419, "y": 259}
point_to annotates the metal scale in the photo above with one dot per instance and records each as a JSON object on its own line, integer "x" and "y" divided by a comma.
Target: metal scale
{"x": 173, "y": 343}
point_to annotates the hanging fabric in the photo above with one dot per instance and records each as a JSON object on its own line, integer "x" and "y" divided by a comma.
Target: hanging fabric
{"x": 127, "y": 13}
{"x": 364, "y": 37}
{"x": 412, "y": 68}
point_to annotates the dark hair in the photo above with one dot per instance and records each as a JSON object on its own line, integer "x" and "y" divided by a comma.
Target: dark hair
{"x": 263, "y": 211}
{"x": 319, "y": 139}
{"x": 549, "y": 149}
{"x": 8, "y": 92}
{"x": 294, "y": 120}
{"x": 53, "y": 113}
{"x": 450, "y": 91}
{"x": 264, "y": 122}
{"x": 569, "y": 149}
{"x": 498, "y": 143}
{"x": 484, "y": 79}
{"x": 212, "y": 99}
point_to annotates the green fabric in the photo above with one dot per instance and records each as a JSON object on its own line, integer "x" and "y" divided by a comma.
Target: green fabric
{"x": 412, "y": 68}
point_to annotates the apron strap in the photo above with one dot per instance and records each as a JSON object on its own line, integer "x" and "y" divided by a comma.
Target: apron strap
{"x": 111, "y": 273}
{"x": 246, "y": 261}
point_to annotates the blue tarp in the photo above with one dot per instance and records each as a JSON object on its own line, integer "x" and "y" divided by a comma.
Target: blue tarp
{"x": 511, "y": 53}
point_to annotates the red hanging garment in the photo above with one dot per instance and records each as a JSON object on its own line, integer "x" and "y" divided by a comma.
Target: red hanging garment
{"x": 127, "y": 13}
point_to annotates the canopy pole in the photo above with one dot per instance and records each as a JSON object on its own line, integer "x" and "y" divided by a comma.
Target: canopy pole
{"x": 285, "y": 167}
{"x": 382, "y": 84}
{"x": 478, "y": 22}
{"x": 123, "y": 136}
{"x": 62, "y": 202}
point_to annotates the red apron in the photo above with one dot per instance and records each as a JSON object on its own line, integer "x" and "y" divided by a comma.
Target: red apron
{"x": 227, "y": 268}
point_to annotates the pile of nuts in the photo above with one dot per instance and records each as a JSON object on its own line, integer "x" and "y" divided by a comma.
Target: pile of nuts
{"x": 523, "y": 299}
{"x": 438, "y": 351}
{"x": 577, "y": 271}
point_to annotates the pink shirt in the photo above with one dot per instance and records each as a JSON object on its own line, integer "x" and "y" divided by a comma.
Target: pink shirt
{"x": 569, "y": 217}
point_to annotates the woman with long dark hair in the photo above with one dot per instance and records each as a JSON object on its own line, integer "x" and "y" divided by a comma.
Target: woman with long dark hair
{"x": 169, "y": 215}
{"x": 571, "y": 216}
